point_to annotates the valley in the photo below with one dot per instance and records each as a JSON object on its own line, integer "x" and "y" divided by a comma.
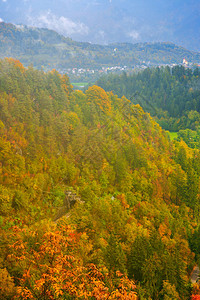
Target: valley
{"x": 81, "y": 61}
{"x": 99, "y": 175}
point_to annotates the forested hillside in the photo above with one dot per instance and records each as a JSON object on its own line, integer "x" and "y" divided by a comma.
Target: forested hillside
{"x": 96, "y": 202}
{"x": 46, "y": 48}
{"x": 172, "y": 96}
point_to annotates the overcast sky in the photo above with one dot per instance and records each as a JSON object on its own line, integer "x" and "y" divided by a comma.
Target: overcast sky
{"x": 108, "y": 21}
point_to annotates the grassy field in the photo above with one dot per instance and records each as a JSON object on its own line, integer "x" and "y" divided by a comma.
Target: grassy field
{"x": 173, "y": 135}
{"x": 79, "y": 84}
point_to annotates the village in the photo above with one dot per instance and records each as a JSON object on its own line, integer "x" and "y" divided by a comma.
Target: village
{"x": 77, "y": 75}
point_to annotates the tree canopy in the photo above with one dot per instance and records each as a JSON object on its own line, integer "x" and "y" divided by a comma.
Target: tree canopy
{"x": 96, "y": 202}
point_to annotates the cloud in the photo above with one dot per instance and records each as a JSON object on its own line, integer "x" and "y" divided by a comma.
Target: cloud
{"x": 134, "y": 34}
{"x": 1, "y": 20}
{"x": 100, "y": 37}
{"x": 102, "y": 34}
{"x": 4, "y": 0}
{"x": 20, "y": 27}
{"x": 61, "y": 24}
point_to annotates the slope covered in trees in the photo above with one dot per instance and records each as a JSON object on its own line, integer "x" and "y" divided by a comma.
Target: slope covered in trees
{"x": 134, "y": 226}
{"x": 172, "y": 96}
{"x": 43, "y": 47}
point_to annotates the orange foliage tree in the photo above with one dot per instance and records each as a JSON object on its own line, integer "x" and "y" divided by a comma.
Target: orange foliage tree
{"x": 97, "y": 95}
{"x": 50, "y": 268}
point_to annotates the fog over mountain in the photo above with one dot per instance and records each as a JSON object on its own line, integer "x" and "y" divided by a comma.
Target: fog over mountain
{"x": 108, "y": 21}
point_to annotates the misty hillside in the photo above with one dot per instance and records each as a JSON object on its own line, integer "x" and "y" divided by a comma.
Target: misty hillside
{"x": 46, "y": 48}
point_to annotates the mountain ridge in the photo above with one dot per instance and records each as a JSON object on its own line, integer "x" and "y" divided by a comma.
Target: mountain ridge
{"x": 47, "y": 48}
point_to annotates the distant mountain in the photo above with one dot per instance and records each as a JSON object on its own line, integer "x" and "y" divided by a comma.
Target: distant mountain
{"x": 46, "y": 48}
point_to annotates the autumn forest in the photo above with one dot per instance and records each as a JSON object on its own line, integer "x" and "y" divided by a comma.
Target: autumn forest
{"x": 96, "y": 200}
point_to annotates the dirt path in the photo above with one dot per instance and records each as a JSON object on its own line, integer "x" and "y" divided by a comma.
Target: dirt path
{"x": 194, "y": 277}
